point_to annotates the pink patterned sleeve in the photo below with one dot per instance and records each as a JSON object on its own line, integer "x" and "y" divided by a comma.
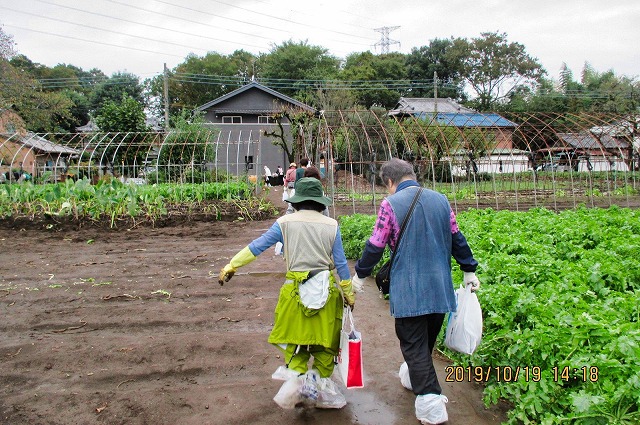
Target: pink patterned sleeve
{"x": 454, "y": 223}
{"x": 386, "y": 228}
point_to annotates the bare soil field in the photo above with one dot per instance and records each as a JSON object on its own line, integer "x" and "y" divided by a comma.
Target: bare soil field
{"x": 129, "y": 326}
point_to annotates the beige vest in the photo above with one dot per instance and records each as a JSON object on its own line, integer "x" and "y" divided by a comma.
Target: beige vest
{"x": 308, "y": 240}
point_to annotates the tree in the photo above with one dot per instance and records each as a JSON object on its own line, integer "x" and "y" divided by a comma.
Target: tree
{"x": 125, "y": 116}
{"x": 40, "y": 110}
{"x": 373, "y": 77}
{"x": 7, "y": 45}
{"x": 113, "y": 89}
{"x": 298, "y": 67}
{"x": 298, "y": 120}
{"x": 610, "y": 92}
{"x": 422, "y": 63}
{"x": 199, "y": 80}
{"x": 493, "y": 67}
{"x": 187, "y": 147}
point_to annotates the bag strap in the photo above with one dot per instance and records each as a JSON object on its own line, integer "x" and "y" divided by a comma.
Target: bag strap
{"x": 347, "y": 315}
{"x": 404, "y": 225}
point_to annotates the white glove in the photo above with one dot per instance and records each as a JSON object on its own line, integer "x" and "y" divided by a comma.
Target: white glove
{"x": 470, "y": 278}
{"x": 358, "y": 283}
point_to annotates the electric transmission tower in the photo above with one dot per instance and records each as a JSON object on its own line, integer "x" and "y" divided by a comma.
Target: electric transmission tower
{"x": 384, "y": 40}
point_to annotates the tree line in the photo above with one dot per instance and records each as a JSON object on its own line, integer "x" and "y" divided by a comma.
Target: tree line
{"x": 485, "y": 73}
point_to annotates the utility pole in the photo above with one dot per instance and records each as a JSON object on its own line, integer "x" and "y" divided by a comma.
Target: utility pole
{"x": 384, "y": 40}
{"x": 435, "y": 92}
{"x": 166, "y": 97}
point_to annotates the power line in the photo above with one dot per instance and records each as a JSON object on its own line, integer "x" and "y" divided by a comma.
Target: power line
{"x": 150, "y": 25}
{"x": 288, "y": 20}
{"x": 253, "y": 24}
{"x": 92, "y": 41}
{"x": 100, "y": 29}
{"x": 185, "y": 19}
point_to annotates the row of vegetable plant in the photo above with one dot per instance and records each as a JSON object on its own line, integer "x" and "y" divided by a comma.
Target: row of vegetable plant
{"x": 561, "y": 305}
{"x": 114, "y": 199}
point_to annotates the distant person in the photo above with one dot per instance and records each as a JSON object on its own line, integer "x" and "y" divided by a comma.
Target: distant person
{"x": 267, "y": 175}
{"x": 279, "y": 176}
{"x": 310, "y": 171}
{"x": 290, "y": 178}
{"x": 304, "y": 162}
{"x": 421, "y": 290}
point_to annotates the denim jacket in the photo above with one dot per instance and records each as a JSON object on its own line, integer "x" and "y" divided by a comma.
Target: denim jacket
{"x": 421, "y": 272}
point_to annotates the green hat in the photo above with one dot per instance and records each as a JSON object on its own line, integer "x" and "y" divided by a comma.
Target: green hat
{"x": 309, "y": 189}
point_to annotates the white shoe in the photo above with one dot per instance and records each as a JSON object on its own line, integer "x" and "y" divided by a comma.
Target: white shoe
{"x": 431, "y": 409}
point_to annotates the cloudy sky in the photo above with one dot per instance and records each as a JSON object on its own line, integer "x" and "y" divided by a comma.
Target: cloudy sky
{"x": 139, "y": 36}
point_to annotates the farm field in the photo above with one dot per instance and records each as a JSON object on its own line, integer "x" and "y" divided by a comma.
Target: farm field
{"x": 561, "y": 308}
{"x": 121, "y": 326}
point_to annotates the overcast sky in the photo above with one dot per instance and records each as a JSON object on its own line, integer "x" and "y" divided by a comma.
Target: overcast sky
{"x": 139, "y": 36}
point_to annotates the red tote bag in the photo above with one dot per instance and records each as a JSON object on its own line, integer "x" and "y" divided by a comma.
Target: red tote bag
{"x": 350, "y": 366}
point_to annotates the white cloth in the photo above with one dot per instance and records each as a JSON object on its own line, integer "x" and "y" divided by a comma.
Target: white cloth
{"x": 315, "y": 291}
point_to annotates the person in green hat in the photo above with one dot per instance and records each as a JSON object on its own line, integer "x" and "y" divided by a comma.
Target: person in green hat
{"x": 308, "y": 315}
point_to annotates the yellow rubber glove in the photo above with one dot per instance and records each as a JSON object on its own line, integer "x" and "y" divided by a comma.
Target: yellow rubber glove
{"x": 242, "y": 258}
{"x": 347, "y": 292}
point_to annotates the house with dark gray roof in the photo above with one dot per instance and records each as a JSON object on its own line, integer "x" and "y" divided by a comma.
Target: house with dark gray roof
{"x": 242, "y": 117}
{"x": 586, "y": 151}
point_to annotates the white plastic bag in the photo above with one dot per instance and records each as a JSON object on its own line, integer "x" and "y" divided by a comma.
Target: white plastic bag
{"x": 329, "y": 395}
{"x": 403, "y": 373}
{"x": 283, "y": 373}
{"x": 464, "y": 329}
{"x": 285, "y": 195}
{"x": 289, "y": 394}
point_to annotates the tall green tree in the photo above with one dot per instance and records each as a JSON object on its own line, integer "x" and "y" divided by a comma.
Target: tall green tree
{"x": 113, "y": 89}
{"x": 123, "y": 116}
{"x": 610, "y": 92}
{"x": 425, "y": 62}
{"x": 373, "y": 78}
{"x": 493, "y": 67}
{"x": 297, "y": 68}
{"x": 199, "y": 80}
{"x": 41, "y": 111}
{"x": 127, "y": 117}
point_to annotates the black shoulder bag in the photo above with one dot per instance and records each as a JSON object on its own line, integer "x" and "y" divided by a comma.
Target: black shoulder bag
{"x": 383, "y": 277}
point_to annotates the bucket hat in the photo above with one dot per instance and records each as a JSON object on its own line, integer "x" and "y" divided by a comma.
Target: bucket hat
{"x": 293, "y": 164}
{"x": 309, "y": 189}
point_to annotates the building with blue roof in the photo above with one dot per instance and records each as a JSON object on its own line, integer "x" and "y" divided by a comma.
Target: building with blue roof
{"x": 496, "y": 130}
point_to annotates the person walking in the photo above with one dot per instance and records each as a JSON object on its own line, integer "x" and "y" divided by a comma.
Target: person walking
{"x": 267, "y": 176}
{"x": 308, "y": 314}
{"x": 310, "y": 171}
{"x": 304, "y": 162}
{"x": 290, "y": 178}
{"x": 421, "y": 286}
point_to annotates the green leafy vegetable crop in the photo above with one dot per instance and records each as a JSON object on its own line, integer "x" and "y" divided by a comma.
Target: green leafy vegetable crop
{"x": 561, "y": 304}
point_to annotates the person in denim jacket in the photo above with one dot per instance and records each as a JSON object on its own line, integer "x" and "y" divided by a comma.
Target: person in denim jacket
{"x": 421, "y": 290}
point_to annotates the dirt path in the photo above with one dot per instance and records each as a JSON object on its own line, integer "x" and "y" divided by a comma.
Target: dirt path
{"x": 130, "y": 327}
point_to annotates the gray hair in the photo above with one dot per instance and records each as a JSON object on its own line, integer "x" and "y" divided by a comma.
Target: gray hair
{"x": 396, "y": 170}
